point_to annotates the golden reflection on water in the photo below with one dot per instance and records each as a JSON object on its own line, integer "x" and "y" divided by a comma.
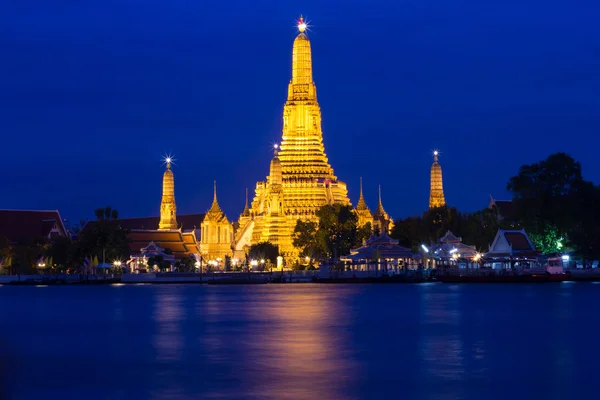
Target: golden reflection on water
{"x": 303, "y": 346}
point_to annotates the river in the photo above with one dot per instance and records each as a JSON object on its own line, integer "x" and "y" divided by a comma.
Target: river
{"x": 301, "y": 341}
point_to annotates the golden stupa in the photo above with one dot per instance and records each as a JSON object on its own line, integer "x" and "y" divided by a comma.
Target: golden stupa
{"x": 168, "y": 208}
{"x": 436, "y": 194}
{"x": 300, "y": 180}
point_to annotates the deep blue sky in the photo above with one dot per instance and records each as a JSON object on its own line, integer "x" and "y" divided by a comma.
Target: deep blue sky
{"x": 93, "y": 92}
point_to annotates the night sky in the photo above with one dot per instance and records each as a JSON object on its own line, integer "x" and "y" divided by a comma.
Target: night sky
{"x": 92, "y": 93}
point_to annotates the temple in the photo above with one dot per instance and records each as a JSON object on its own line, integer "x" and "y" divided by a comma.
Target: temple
{"x": 436, "y": 194}
{"x": 382, "y": 222}
{"x": 300, "y": 180}
{"x": 216, "y": 239}
{"x": 168, "y": 209}
{"x": 362, "y": 210}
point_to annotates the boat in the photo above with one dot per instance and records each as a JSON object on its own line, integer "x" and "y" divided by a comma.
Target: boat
{"x": 553, "y": 271}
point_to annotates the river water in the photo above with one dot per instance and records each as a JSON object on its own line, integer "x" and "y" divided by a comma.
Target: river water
{"x": 301, "y": 341}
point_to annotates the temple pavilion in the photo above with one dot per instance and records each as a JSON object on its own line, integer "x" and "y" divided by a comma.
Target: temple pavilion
{"x": 382, "y": 253}
{"x": 511, "y": 248}
{"x": 450, "y": 251}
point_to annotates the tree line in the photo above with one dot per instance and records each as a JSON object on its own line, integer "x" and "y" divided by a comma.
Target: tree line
{"x": 559, "y": 210}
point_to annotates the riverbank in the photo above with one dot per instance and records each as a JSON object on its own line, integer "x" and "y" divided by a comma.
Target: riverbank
{"x": 223, "y": 278}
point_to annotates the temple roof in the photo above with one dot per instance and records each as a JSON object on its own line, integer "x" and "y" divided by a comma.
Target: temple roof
{"x": 215, "y": 213}
{"x": 24, "y": 225}
{"x": 187, "y": 222}
{"x": 449, "y": 237}
{"x": 381, "y": 246}
{"x": 515, "y": 243}
{"x": 505, "y": 208}
{"x": 380, "y": 212}
{"x": 181, "y": 245}
{"x": 362, "y": 204}
{"x": 246, "y": 212}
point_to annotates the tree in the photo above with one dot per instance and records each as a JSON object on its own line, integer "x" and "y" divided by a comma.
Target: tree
{"x": 264, "y": 251}
{"x": 103, "y": 238}
{"x": 586, "y": 236}
{"x": 363, "y": 232}
{"x": 305, "y": 239}
{"x": 61, "y": 250}
{"x": 337, "y": 229}
{"x": 6, "y": 254}
{"x": 547, "y": 196}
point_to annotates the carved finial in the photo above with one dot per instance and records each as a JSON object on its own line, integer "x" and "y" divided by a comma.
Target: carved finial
{"x": 379, "y": 194}
{"x": 435, "y": 155}
{"x": 276, "y": 149}
{"x": 215, "y": 193}
{"x": 301, "y": 24}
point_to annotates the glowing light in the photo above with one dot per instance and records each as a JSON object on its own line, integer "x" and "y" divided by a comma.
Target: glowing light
{"x": 453, "y": 251}
{"x": 425, "y": 248}
{"x": 435, "y": 153}
{"x": 168, "y": 160}
{"x": 565, "y": 258}
{"x": 301, "y": 25}
{"x": 275, "y": 146}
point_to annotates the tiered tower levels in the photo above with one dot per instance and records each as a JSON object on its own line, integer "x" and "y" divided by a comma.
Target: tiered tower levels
{"x": 436, "y": 194}
{"x": 307, "y": 180}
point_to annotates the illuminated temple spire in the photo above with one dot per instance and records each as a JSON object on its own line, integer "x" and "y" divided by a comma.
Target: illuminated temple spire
{"x": 436, "y": 195}
{"x": 168, "y": 208}
{"x": 300, "y": 179}
{"x": 362, "y": 210}
{"x": 214, "y": 210}
{"x": 302, "y": 153}
{"x": 246, "y": 212}
{"x": 381, "y": 220}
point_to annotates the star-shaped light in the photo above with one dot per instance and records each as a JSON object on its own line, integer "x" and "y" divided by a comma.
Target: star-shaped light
{"x": 302, "y": 25}
{"x": 168, "y": 160}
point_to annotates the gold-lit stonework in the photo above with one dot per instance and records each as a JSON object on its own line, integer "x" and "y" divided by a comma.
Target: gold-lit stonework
{"x": 382, "y": 222}
{"x": 362, "y": 210}
{"x": 301, "y": 179}
{"x": 436, "y": 194}
{"x": 216, "y": 237}
{"x": 168, "y": 208}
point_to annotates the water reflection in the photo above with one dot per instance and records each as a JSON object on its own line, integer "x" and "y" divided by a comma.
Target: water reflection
{"x": 442, "y": 355}
{"x": 168, "y": 315}
{"x": 303, "y": 341}
{"x": 301, "y": 346}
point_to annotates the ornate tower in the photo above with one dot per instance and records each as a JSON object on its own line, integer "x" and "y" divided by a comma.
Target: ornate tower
{"x": 168, "y": 209}
{"x": 362, "y": 210}
{"x": 301, "y": 178}
{"x": 217, "y": 233}
{"x": 436, "y": 194}
{"x": 382, "y": 222}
